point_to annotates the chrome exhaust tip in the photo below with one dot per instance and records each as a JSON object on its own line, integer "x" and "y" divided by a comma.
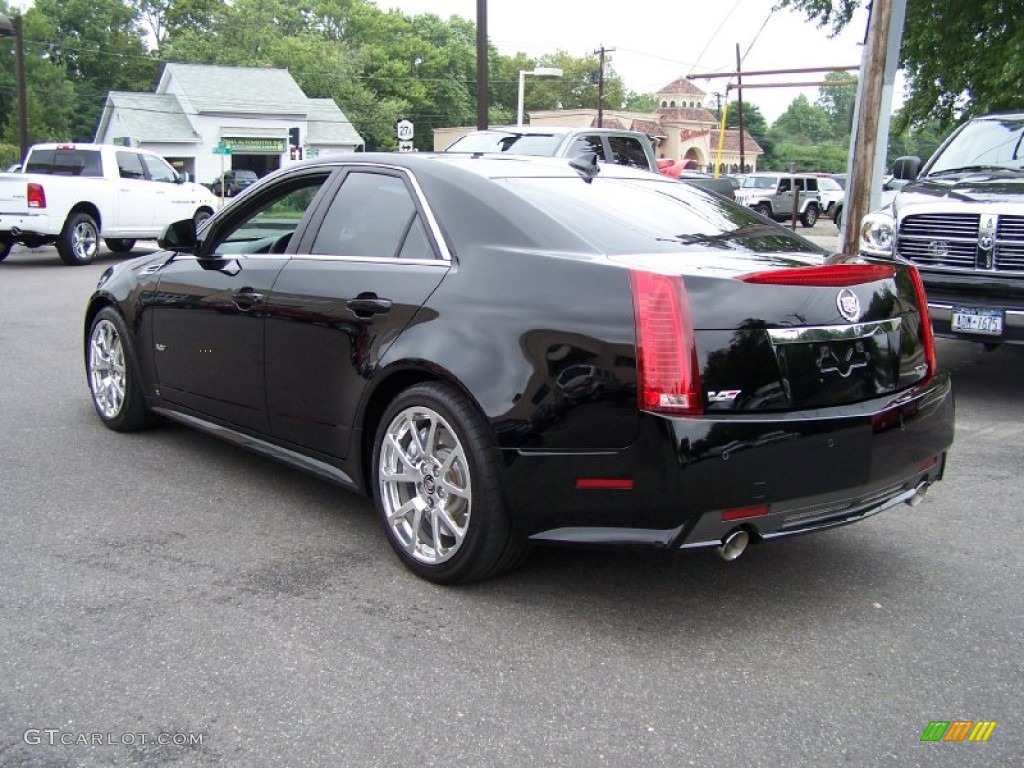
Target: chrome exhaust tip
{"x": 919, "y": 492}
{"x": 733, "y": 545}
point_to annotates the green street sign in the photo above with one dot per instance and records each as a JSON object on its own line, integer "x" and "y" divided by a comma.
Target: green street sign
{"x": 221, "y": 149}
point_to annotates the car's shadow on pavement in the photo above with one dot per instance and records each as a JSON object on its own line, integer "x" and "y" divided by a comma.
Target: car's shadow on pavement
{"x": 46, "y": 256}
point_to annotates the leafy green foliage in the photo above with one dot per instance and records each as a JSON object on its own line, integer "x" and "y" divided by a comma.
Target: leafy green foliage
{"x": 641, "y": 102}
{"x": 962, "y": 57}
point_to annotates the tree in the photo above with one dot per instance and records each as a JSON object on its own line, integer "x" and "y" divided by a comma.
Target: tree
{"x": 98, "y": 45}
{"x": 641, "y": 102}
{"x": 754, "y": 124}
{"x": 838, "y": 101}
{"x": 961, "y": 58}
{"x": 804, "y": 123}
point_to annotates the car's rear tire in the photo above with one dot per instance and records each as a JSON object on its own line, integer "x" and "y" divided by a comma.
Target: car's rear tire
{"x": 119, "y": 245}
{"x": 79, "y": 241}
{"x": 5, "y": 248}
{"x": 437, "y": 485}
{"x": 112, "y": 369}
{"x": 810, "y": 215}
{"x": 764, "y": 209}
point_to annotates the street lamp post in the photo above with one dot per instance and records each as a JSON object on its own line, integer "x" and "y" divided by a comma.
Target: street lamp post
{"x": 539, "y": 72}
{"x": 12, "y": 28}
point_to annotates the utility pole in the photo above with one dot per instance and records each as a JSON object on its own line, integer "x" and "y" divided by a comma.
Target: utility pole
{"x": 481, "y": 65}
{"x": 871, "y": 118}
{"x": 600, "y": 84}
{"x": 19, "y": 66}
{"x": 739, "y": 97}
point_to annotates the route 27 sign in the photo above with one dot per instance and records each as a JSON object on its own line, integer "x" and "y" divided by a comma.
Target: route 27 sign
{"x": 404, "y": 130}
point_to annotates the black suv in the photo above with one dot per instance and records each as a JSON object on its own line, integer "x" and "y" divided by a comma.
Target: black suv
{"x": 234, "y": 182}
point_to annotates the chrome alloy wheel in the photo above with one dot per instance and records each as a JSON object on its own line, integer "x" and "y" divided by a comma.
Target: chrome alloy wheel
{"x": 85, "y": 241}
{"x": 424, "y": 481}
{"x": 107, "y": 372}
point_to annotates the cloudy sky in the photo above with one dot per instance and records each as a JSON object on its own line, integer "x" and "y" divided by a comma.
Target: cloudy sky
{"x": 656, "y": 42}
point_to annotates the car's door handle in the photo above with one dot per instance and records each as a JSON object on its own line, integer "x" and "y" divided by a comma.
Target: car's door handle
{"x": 246, "y": 298}
{"x": 367, "y": 304}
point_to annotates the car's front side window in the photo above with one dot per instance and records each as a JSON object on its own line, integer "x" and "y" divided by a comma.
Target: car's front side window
{"x": 628, "y": 151}
{"x": 270, "y": 222}
{"x": 587, "y": 145}
{"x": 159, "y": 170}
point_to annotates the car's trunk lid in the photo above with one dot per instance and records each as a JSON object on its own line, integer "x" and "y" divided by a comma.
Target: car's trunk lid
{"x": 794, "y": 334}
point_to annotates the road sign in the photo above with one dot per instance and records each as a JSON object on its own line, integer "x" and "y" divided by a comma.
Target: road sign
{"x": 405, "y": 146}
{"x": 404, "y": 130}
{"x": 221, "y": 149}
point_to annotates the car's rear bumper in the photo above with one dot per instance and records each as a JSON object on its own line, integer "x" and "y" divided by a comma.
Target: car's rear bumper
{"x": 689, "y": 482}
{"x": 12, "y": 225}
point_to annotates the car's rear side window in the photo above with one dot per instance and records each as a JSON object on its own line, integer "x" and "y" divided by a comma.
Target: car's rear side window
{"x": 129, "y": 166}
{"x": 373, "y": 215}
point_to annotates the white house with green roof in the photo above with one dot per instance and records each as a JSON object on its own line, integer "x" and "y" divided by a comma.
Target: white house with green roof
{"x": 198, "y": 112}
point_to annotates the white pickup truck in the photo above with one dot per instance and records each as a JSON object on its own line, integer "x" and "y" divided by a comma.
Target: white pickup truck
{"x": 75, "y": 194}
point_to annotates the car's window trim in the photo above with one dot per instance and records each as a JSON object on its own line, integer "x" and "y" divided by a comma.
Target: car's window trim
{"x": 250, "y": 203}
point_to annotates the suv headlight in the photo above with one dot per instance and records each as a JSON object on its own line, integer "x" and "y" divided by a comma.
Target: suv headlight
{"x": 877, "y": 234}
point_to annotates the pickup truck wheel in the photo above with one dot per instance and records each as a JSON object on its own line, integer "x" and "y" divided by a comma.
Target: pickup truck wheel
{"x": 79, "y": 242}
{"x": 5, "y": 248}
{"x": 200, "y": 218}
{"x": 810, "y": 216}
{"x": 119, "y": 245}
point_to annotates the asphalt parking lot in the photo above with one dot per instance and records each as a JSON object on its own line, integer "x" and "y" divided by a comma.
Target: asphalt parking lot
{"x": 169, "y": 600}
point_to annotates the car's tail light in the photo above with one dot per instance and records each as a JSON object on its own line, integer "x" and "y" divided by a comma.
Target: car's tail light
{"x": 36, "y": 196}
{"x": 927, "y": 337}
{"x": 668, "y": 379}
{"x": 828, "y": 276}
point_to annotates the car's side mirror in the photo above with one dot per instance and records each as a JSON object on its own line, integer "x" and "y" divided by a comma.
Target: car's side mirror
{"x": 179, "y": 236}
{"x": 183, "y": 178}
{"x": 907, "y": 167}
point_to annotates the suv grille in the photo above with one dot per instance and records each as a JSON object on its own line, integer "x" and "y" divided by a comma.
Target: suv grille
{"x": 951, "y": 240}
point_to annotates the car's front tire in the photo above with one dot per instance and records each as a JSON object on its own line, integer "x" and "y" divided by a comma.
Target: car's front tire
{"x": 112, "y": 369}
{"x": 79, "y": 241}
{"x": 810, "y": 216}
{"x": 764, "y": 209}
{"x": 437, "y": 485}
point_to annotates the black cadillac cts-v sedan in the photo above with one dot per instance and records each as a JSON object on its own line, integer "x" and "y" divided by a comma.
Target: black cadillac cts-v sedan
{"x": 506, "y": 351}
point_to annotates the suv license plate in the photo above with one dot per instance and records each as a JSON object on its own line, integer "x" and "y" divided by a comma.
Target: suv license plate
{"x": 974, "y": 320}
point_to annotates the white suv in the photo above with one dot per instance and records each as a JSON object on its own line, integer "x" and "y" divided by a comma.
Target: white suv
{"x": 771, "y": 194}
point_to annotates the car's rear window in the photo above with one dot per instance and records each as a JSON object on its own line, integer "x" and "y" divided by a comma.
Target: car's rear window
{"x": 249, "y": 176}
{"x": 640, "y": 216}
{"x": 65, "y": 162}
{"x": 538, "y": 144}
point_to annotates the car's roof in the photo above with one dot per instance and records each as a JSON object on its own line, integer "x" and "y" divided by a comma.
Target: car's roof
{"x": 764, "y": 174}
{"x": 552, "y": 130}
{"x": 487, "y": 165}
